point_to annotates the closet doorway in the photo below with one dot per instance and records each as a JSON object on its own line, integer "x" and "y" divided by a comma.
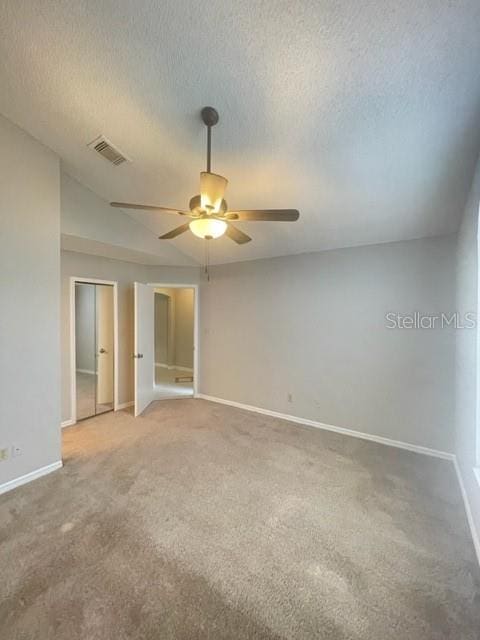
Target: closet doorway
{"x": 94, "y": 347}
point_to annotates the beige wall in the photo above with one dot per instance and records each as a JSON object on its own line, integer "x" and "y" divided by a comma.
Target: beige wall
{"x": 184, "y": 327}
{"x": 313, "y": 326}
{"x": 29, "y": 319}
{"x": 165, "y": 335}
{"x": 162, "y": 326}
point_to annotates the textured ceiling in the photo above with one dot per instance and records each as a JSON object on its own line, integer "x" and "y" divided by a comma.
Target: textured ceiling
{"x": 363, "y": 115}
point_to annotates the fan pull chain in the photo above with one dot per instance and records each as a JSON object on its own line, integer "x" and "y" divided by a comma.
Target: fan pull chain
{"x": 207, "y": 259}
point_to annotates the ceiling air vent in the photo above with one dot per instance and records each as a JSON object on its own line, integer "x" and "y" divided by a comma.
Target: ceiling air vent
{"x": 105, "y": 148}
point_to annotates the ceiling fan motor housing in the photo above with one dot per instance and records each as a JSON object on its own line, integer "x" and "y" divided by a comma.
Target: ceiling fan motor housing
{"x": 195, "y": 204}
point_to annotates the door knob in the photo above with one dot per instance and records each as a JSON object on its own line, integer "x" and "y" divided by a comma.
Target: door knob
{"x": 138, "y": 355}
{"x": 103, "y": 351}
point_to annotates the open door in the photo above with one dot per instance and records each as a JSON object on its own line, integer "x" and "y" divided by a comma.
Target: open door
{"x": 144, "y": 345}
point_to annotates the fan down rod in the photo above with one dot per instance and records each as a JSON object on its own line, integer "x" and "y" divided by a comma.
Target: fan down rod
{"x": 210, "y": 118}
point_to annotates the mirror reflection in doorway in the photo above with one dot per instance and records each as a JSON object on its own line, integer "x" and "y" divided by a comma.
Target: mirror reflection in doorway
{"x": 94, "y": 348}
{"x": 174, "y": 340}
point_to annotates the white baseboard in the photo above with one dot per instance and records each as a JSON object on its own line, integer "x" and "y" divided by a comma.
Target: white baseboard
{"x": 92, "y": 373}
{"x": 466, "y": 502}
{"x": 68, "y": 423}
{"x": 124, "y": 405}
{"x": 328, "y": 427}
{"x": 28, "y": 477}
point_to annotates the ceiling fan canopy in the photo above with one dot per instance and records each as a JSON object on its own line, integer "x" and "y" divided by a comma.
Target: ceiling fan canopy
{"x": 209, "y": 214}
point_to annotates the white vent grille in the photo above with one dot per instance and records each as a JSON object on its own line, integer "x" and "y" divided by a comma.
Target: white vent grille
{"x": 105, "y": 148}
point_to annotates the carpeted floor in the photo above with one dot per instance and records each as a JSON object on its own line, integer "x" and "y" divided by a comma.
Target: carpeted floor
{"x": 204, "y": 521}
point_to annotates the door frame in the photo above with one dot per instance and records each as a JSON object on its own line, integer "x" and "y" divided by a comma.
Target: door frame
{"x": 196, "y": 335}
{"x": 73, "y": 357}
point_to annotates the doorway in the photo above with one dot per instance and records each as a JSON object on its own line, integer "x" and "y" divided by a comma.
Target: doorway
{"x": 174, "y": 342}
{"x": 166, "y": 342}
{"x": 94, "y": 348}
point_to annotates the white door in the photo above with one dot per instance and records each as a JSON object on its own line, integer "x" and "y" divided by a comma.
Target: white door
{"x": 144, "y": 345}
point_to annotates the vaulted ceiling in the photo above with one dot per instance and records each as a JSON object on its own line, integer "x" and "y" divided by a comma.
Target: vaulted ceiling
{"x": 363, "y": 115}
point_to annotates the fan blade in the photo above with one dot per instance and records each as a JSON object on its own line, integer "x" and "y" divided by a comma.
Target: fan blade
{"x": 212, "y": 190}
{"x": 148, "y": 207}
{"x": 175, "y": 232}
{"x": 236, "y": 235}
{"x": 266, "y": 215}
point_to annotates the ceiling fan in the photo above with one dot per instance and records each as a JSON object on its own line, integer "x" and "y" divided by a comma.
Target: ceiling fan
{"x": 209, "y": 215}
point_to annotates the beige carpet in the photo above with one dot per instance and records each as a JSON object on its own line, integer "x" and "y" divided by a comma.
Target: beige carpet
{"x": 204, "y": 521}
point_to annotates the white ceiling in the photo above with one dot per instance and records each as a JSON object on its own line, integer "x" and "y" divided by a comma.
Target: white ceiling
{"x": 363, "y": 115}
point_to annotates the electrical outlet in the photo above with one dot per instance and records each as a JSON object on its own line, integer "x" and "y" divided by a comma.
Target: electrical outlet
{"x": 4, "y": 454}
{"x": 290, "y": 397}
{"x": 16, "y": 450}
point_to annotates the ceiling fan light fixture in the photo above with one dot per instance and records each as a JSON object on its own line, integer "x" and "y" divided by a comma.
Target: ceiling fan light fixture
{"x": 208, "y": 227}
